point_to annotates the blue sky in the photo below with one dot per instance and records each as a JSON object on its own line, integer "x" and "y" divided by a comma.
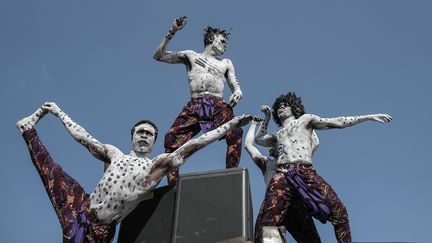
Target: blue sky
{"x": 94, "y": 58}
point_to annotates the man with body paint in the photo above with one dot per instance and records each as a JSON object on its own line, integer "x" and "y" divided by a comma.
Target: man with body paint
{"x": 295, "y": 178}
{"x": 299, "y": 223}
{"x": 207, "y": 109}
{"x": 127, "y": 178}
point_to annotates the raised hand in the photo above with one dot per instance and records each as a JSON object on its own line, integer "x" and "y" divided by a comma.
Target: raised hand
{"x": 52, "y": 107}
{"x": 178, "y": 23}
{"x": 266, "y": 110}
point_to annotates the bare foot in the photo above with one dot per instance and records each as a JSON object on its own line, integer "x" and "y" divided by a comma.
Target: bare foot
{"x": 29, "y": 122}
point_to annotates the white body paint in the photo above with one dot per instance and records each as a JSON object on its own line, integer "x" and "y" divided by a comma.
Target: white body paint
{"x": 267, "y": 162}
{"x": 121, "y": 188}
{"x": 271, "y": 234}
{"x": 206, "y": 72}
{"x": 128, "y": 178}
{"x": 296, "y": 140}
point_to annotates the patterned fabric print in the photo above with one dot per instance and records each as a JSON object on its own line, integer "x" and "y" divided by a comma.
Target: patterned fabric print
{"x": 281, "y": 194}
{"x": 309, "y": 196}
{"x": 204, "y": 114}
{"x": 68, "y": 198}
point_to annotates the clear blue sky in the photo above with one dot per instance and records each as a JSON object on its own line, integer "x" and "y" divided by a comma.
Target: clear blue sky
{"x": 94, "y": 58}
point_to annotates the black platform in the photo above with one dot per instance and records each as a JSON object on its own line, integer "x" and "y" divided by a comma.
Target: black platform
{"x": 213, "y": 206}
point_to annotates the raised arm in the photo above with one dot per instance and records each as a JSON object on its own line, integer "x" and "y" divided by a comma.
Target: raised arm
{"x": 103, "y": 152}
{"x": 262, "y": 137}
{"x": 319, "y": 123}
{"x": 255, "y": 154}
{"x": 233, "y": 84}
{"x": 161, "y": 54}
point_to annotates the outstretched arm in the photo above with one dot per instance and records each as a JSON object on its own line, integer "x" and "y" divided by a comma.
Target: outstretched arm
{"x": 262, "y": 137}
{"x": 165, "y": 163}
{"x": 319, "y": 123}
{"x": 161, "y": 54}
{"x": 100, "y": 151}
{"x": 256, "y": 156}
{"x": 178, "y": 157}
{"x": 233, "y": 84}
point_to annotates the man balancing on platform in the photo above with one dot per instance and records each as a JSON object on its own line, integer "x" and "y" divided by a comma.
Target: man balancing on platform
{"x": 127, "y": 178}
{"x": 207, "y": 109}
{"x": 299, "y": 223}
{"x": 295, "y": 178}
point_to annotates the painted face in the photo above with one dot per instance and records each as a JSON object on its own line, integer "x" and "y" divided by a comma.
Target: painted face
{"x": 284, "y": 111}
{"x": 143, "y": 138}
{"x": 219, "y": 44}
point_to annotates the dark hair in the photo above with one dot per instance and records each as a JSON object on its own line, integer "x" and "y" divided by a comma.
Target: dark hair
{"x": 293, "y": 101}
{"x": 144, "y": 122}
{"x": 211, "y": 32}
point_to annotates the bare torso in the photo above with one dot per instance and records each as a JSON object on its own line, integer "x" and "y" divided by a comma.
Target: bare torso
{"x": 296, "y": 143}
{"x": 122, "y": 187}
{"x": 206, "y": 75}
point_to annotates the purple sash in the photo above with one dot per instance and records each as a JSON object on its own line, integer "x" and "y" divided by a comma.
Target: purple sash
{"x": 311, "y": 198}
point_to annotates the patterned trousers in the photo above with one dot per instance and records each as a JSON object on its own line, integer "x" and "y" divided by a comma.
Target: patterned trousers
{"x": 203, "y": 114}
{"x": 71, "y": 203}
{"x": 283, "y": 194}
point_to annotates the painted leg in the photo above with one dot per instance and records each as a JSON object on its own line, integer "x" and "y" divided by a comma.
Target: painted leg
{"x": 65, "y": 194}
{"x": 68, "y": 198}
{"x": 272, "y": 234}
{"x": 274, "y": 206}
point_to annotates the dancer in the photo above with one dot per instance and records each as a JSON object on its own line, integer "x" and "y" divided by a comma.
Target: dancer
{"x": 206, "y": 76}
{"x": 299, "y": 223}
{"x": 127, "y": 178}
{"x": 295, "y": 177}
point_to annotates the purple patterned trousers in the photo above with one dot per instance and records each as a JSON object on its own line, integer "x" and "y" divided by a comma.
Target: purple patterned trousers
{"x": 71, "y": 203}
{"x": 203, "y": 114}
{"x": 295, "y": 184}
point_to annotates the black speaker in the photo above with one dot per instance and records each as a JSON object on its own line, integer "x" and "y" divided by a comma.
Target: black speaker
{"x": 213, "y": 206}
{"x": 151, "y": 221}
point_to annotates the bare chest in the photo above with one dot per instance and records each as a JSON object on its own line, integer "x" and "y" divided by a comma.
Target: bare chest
{"x": 203, "y": 65}
{"x": 293, "y": 129}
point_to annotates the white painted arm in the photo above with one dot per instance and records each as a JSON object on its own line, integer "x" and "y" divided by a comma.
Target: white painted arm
{"x": 262, "y": 137}
{"x": 161, "y": 54}
{"x": 233, "y": 84}
{"x": 165, "y": 163}
{"x": 193, "y": 145}
{"x": 103, "y": 152}
{"x": 319, "y": 123}
{"x": 256, "y": 156}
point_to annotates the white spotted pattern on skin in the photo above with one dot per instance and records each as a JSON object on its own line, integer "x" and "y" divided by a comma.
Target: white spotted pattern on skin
{"x": 120, "y": 189}
{"x": 294, "y": 146}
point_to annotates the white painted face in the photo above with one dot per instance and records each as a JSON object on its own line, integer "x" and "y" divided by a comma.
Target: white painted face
{"x": 219, "y": 44}
{"x": 143, "y": 138}
{"x": 284, "y": 111}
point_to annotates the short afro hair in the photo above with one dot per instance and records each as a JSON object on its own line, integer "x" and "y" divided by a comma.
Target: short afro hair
{"x": 293, "y": 101}
{"x": 211, "y": 32}
{"x": 144, "y": 122}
